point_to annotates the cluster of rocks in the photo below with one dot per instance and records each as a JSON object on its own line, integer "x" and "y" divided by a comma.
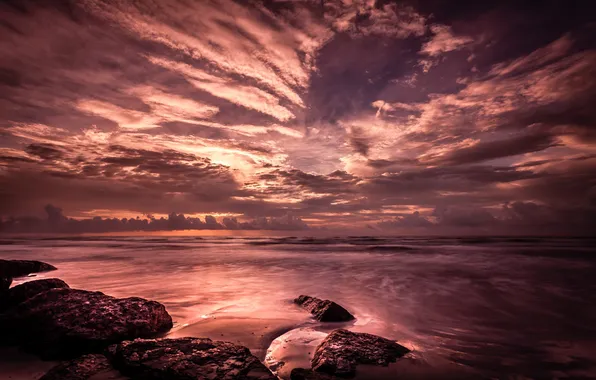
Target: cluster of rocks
{"x": 175, "y": 359}
{"x": 341, "y": 351}
{"x": 100, "y": 334}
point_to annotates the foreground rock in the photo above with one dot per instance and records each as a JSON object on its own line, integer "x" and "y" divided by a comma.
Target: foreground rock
{"x": 187, "y": 358}
{"x": 19, "y": 268}
{"x": 343, "y": 350}
{"x": 66, "y": 323}
{"x": 23, "y": 292}
{"x": 94, "y": 366}
{"x": 5, "y": 283}
{"x": 324, "y": 310}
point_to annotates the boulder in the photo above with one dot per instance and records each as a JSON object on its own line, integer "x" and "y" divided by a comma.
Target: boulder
{"x": 324, "y": 310}
{"x": 23, "y": 292}
{"x": 66, "y": 323}
{"x": 94, "y": 366}
{"x": 187, "y": 358}
{"x": 343, "y": 350}
{"x": 5, "y": 283}
{"x": 19, "y": 268}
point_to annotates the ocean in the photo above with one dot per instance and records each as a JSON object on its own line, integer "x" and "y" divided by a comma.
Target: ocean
{"x": 510, "y": 308}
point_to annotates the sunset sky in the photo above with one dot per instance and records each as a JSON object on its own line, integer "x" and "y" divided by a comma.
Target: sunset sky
{"x": 422, "y": 115}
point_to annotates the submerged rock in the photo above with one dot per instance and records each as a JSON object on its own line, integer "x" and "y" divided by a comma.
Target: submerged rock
{"x": 94, "y": 366}
{"x": 187, "y": 358}
{"x": 19, "y": 268}
{"x": 65, "y": 323}
{"x": 324, "y": 310}
{"x": 343, "y": 350}
{"x": 5, "y": 283}
{"x": 23, "y": 292}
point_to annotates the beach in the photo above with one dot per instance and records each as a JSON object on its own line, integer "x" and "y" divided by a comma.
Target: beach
{"x": 483, "y": 307}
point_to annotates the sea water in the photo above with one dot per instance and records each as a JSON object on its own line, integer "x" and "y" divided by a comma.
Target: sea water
{"x": 504, "y": 307}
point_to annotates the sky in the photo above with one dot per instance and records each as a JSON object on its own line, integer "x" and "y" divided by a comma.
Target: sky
{"x": 420, "y": 116}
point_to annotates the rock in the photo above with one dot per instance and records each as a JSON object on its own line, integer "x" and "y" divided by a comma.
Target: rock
{"x": 343, "y": 350}
{"x": 308, "y": 374}
{"x": 86, "y": 367}
{"x": 23, "y": 292}
{"x": 187, "y": 358}
{"x": 66, "y": 323}
{"x": 19, "y": 268}
{"x": 5, "y": 283}
{"x": 324, "y": 310}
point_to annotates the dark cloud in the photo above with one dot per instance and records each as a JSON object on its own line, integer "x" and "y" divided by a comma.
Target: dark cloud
{"x": 489, "y": 150}
{"x": 44, "y": 151}
{"x": 413, "y": 220}
{"x": 352, "y": 71}
{"x": 511, "y": 217}
{"x": 56, "y": 222}
{"x": 359, "y": 141}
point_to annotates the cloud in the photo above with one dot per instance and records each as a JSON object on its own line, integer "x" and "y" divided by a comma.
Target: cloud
{"x": 44, "y": 151}
{"x": 253, "y": 111}
{"x": 489, "y": 150}
{"x": 359, "y": 141}
{"x": 56, "y": 222}
{"x": 540, "y": 57}
{"x": 443, "y": 40}
{"x": 413, "y": 220}
{"x": 246, "y": 96}
{"x": 363, "y": 17}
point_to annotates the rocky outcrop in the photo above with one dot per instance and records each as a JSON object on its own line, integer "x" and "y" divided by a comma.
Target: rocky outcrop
{"x": 5, "y": 283}
{"x": 324, "y": 310}
{"x": 23, "y": 292}
{"x": 343, "y": 350}
{"x": 66, "y": 323}
{"x": 83, "y": 368}
{"x": 19, "y": 268}
{"x": 187, "y": 358}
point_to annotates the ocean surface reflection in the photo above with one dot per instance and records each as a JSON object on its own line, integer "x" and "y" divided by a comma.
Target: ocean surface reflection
{"x": 506, "y": 307}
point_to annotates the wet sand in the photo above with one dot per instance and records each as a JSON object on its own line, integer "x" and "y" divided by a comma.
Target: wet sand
{"x": 254, "y": 333}
{"x": 296, "y": 348}
{"x": 18, "y": 365}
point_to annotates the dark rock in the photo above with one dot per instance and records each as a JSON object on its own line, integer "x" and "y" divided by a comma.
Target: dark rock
{"x": 343, "y": 350}
{"x": 66, "y": 323}
{"x": 5, "y": 283}
{"x": 324, "y": 310}
{"x": 83, "y": 368}
{"x": 23, "y": 292}
{"x": 187, "y": 358}
{"x": 308, "y": 374}
{"x": 19, "y": 268}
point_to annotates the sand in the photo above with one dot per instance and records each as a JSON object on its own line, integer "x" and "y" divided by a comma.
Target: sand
{"x": 17, "y": 365}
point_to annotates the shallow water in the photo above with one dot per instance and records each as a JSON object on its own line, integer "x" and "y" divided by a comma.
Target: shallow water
{"x": 506, "y": 307}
